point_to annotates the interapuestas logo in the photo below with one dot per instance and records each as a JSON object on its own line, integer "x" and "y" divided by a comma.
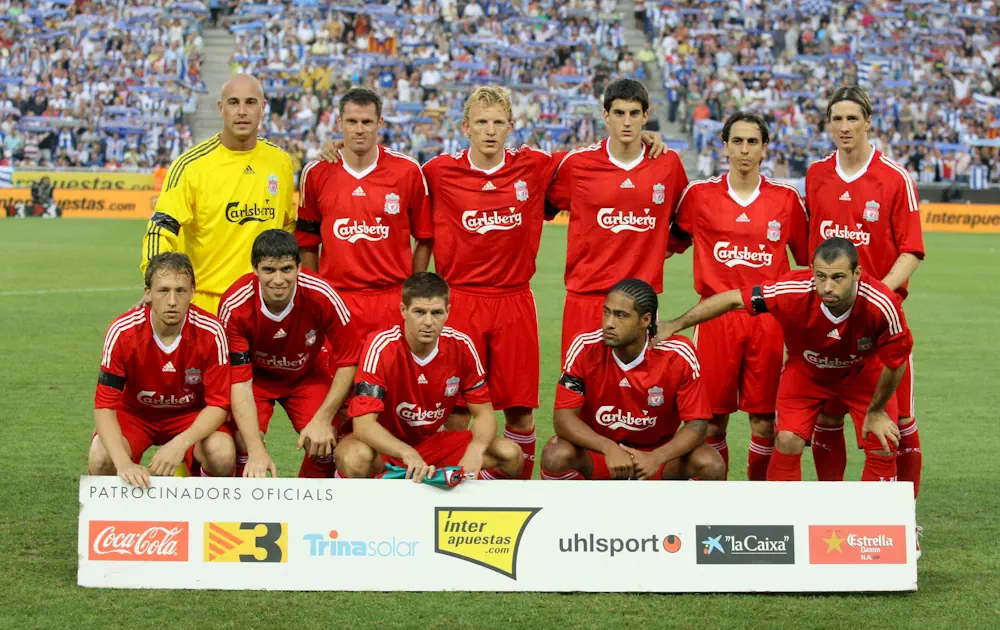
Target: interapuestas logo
{"x": 489, "y": 537}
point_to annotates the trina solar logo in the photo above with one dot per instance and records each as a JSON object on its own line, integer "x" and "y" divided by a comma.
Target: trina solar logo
{"x": 857, "y": 544}
{"x": 332, "y": 545}
{"x": 489, "y": 537}
{"x": 246, "y": 542}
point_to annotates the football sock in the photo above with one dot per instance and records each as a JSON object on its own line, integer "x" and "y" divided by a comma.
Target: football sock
{"x": 569, "y": 475}
{"x": 526, "y": 440}
{"x": 338, "y": 475}
{"x": 829, "y": 452}
{"x": 492, "y": 474}
{"x": 784, "y": 467}
{"x": 718, "y": 442}
{"x": 759, "y": 457}
{"x": 241, "y": 464}
{"x": 909, "y": 459}
{"x": 879, "y": 467}
{"x": 316, "y": 468}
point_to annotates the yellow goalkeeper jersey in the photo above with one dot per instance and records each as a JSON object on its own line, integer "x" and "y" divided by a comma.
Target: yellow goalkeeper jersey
{"x": 213, "y": 205}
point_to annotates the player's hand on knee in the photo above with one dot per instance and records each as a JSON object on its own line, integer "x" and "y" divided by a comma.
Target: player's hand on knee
{"x": 259, "y": 463}
{"x": 135, "y": 475}
{"x": 318, "y": 438}
{"x": 167, "y": 458}
{"x": 646, "y": 464}
{"x": 879, "y": 424}
{"x": 331, "y": 151}
{"x": 620, "y": 463}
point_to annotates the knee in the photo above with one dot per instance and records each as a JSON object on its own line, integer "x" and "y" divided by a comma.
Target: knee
{"x": 558, "y": 456}
{"x": 99, "y": 460}
{"x": 509, "y": 454}
{"x": 788, "y": 443}
{"x": 881, "y": 453}
{"x": 762, "y": 427}
{"x": 354, "y": 459}
{"x": 520, "y": 418}
{"x": 708, "y": 465}
{"x": 219, "y": 452}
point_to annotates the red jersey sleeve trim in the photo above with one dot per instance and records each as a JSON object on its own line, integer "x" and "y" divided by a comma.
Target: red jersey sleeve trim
{"x": 451, "y": 333}
{"x": 236, "y": 298}
{"x": 214, "y": 328}
{"x": 685, "y": 351}
{"x": 579, "y": 345}
{"x": 403, "y": 156}
{"x": 314, "y": 283}
{"x": 885, "y": 304}
{"x": 378, "y": 343}
{"x": 911, "y": 193}
{"x": 115, "y": 330}
{"x": 303, "y": 188}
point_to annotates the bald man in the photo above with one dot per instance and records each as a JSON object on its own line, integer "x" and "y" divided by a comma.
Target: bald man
{"x": 220, "y": 194}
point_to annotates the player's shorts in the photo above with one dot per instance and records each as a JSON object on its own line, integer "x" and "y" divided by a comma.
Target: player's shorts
{"x": 207, "y": 301}
{"x": 300, "y": 402}
{"x": 505, "y": 331}
{"x": 801, "y": 398}
{"x": 372, "y": 312}
{"x": 582, "y": 313}
{"x": 601, "y": 471}
{"x": 141, "y": 434}
{"x": 444, "y": 448}
{"x": 741, "y": 357}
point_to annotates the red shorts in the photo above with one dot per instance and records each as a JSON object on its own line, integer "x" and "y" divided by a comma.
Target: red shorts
{"x": 141, "y": 434}
{"x": 372, "y": 312}
{"x": 741, "y": 357}
{"x": 505, "y": 331}
{"x": 300, "y": 402}
{"x": 801, "y": 398}
{"x": 444, "y": 448}
{"x": 582, "y": 313}
{"x": 601, "y": 472}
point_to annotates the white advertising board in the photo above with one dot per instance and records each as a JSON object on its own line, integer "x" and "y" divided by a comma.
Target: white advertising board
{"x": 380, "y": 535}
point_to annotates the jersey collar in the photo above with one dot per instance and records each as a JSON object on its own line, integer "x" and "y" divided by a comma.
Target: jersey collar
{"x": 857, "y": 175}
{"x": 166, "y": 349}
{"x": 283, "y": 314}
{"x": 362, "y": 174}
{"x": 833, "y": 318}
{"x": 636, "y": 361}
{"x": 625, "y": 166}
{"x": 430, "y": 357}
{"x": 749, "y": 200}
{"x": 488, "y": 171}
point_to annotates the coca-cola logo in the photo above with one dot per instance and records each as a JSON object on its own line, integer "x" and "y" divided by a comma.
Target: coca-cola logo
{"x": 829, "y": 229}
{"x": 613, "y": 418}
{"x": 152, "y": 399}
{"x": 618, "y": 221}
{"x": 417, "y": 417}
{"x": 354, "y": 231}
{"x": 263, "y": 359}
{"x": 820, "y": 361}
{"x": 733, "y": 256}
{"x": 143, "y": 541}
{"x": 483, "y": 221}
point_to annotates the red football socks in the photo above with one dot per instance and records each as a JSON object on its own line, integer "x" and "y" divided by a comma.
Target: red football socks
{"x": 316, "y": 468}
{"x": 526, "y": 440}
{"x": 569, "y": 475}
{"x": 829, "y": 452}
{"x": 909, "y": 459}
{"x": 718, "y": 442}
{"x": 784, "y": 467}
{"x": 759, "y": 458}
{"x": 879, "y": 467}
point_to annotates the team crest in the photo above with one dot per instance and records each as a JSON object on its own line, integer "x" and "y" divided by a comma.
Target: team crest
{"x": 310, "y": 337}
{"x": 521, "y": 190}
{"x": 272, "y": 184}
{"x": 864, "y": 344}
{"x": 192, "y": 376}
{"x": 659, "y": 193}
{"x": 451, "y": 386}
{"x": 871, "y": 211}
{"x": 655, "y": 396}
{"x": 392, "y": 203}
{"x": 773, "y": 231}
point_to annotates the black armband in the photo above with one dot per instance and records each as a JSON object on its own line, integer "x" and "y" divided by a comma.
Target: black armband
{"x": 237, "y": 359}
{"x": 309, "y": 227}
{"x": 757, "y": 302}
{"x": 166, "y": 222}
{"x": 111, "y": 380}
{"x": 368, "y": 389}
{"x": 572, "y": 383}
{"x": 478, "y": 385}
{"x": 677, "y": 232}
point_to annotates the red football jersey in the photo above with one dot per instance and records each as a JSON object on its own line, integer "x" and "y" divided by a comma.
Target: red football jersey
{"x": 619, "y": 216}
{"x": 639, "y": 404}
{"x": 364, "y": 220}
{"x": 737, "y": 242}
{"x": 278, "y": 350}
{"x": 488, "y": 224}
{"x": 413, "y": 397}
{"x": 147, "y": 379}
{"x": 874, "y": 328}
{"x": 877, "y": 209}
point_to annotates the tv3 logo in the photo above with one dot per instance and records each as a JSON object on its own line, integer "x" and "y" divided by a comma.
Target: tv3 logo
{"x": 246, "y": 542}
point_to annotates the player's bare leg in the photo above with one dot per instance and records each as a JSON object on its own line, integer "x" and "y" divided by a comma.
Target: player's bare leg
{"x": 716, "y": 436}
{"x": 761, "y": 446}
{"x": 829, "y": 448}
{"x": 99, "y": 460}
{"x": 502, "y": 455}
{"x": 459, "y": 420}
{"x": 786, "y": 460}
{"x": 356, "y": 460}
{"x": 564, "y": 461}
{"x": 520, "y": 429}
{"x": 217, "y": 455}
{"x": 704, "y": 463}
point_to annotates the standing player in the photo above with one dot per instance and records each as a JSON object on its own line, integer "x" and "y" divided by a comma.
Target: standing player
{"x": 363, "y": 211}
{"x": 277, "y": 319}
{"x": 621, "y": 401}
{"x": 164, "y": 381}
{"x": 859, "y": 194}
{"x": 619, "y": 200}
{"x": 220, "y": 194}
{"x": 407, "y": 386}
{"x": 741, "y": 225}
{"x": 847, "y": 341}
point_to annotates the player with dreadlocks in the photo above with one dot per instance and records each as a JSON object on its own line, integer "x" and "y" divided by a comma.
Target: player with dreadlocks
{"x": 622, "y": 399}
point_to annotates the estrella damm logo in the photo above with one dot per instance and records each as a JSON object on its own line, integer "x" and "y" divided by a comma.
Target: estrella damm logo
{"x": 246, "y": 542}
{"x": 489, "y": 537}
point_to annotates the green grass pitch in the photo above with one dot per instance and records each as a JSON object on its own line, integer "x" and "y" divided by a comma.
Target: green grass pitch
{"x": 61, "y": 282}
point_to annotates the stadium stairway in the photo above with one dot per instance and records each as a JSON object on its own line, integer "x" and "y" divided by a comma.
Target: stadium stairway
{"x": 219, "y": 47}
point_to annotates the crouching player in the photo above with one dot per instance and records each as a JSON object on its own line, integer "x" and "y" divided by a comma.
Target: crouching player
{"x": 277, "y": 319}
{"x": 164, "y": 381}
{"x": 406, "y": 388}
{"x": 621, "y": 400}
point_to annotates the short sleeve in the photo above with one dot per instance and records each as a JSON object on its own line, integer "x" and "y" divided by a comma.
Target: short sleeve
{"x": 288, "y": 197}
{"x": 760, "y": 299}
{"x": 370, "y": 381}
{"x": 559, "y": 196}
{"x": 571, "y": 391}
{"x": 692, "y": 400}
{"x": 895, "y": 341}
{"x": 112, "y": 377}
{"x": 218, "y": 377}
{"x": 419, "y": 207}
{"x": 682, "y": 225}
{"x": 307, "y": 226}
{"x": 798, "y": 241}
{"x": 238, "y": 338}
{"x": 177, "y": 199}
{"x": 473, "y": 385}
{"x": 906, "y": 228}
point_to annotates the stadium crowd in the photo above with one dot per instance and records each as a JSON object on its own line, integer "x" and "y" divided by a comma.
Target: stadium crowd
{"x": 98, "y": 83}
{"x": 931, "y": 67}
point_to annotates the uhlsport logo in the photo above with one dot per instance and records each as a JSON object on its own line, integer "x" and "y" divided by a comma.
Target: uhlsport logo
{"x": 246, "y": 214}
{"x": 483, "y": 221}
{"x": 733, "y": 256}
{"x": 590, "y": 543}
{"x": 858, "y": 236}
{"x": 489, "y": 537}
{"x": 618, "y": 221}
{"x": 857, "y": 544}
{"x": 334, "y": 544}
{"x": 746, "y": 544}
{"x": 353, "y": 231}
{"x": 246, "y": 542}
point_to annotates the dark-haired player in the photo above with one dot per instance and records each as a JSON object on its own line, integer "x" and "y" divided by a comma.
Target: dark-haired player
{"x": 164, "y": 381}
{"x": 859, "y": 194}
{"x": 847, "y": 340}
{"x": 742, "y": 225}
{"x": 407, "y": 386}
{"x": 277, "y": 319}
{"x": 621, "y": 401}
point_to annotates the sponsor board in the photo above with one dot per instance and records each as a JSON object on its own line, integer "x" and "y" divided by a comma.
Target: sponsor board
{"x": 245, "y": 542}
{"x": 489, "y": 537}
{"x": 104, "y": 180}
{"x": 857, "y": 544}
{"x": 746, "y": 544}
{"x": 958, "y": 217}
{"x": 93, "y": 204}
{"x": 138, "y": 541}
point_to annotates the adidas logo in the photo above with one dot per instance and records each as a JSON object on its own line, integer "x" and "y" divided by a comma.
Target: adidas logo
{"x": 627, "y": 184}
{"x": 248, "y": 170}
{"x": 358, "y": 192}
{"x": 743, "y": 218}
{"x": 169, "y": 367}
{"x": 281, "y": 334}
{"x": 489, "y": 186}
{"x": 833, "y": 334}
{"x": 624, "y": 383}
{"x": 421, "y": 380}
{"x": 846, "y": 196}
